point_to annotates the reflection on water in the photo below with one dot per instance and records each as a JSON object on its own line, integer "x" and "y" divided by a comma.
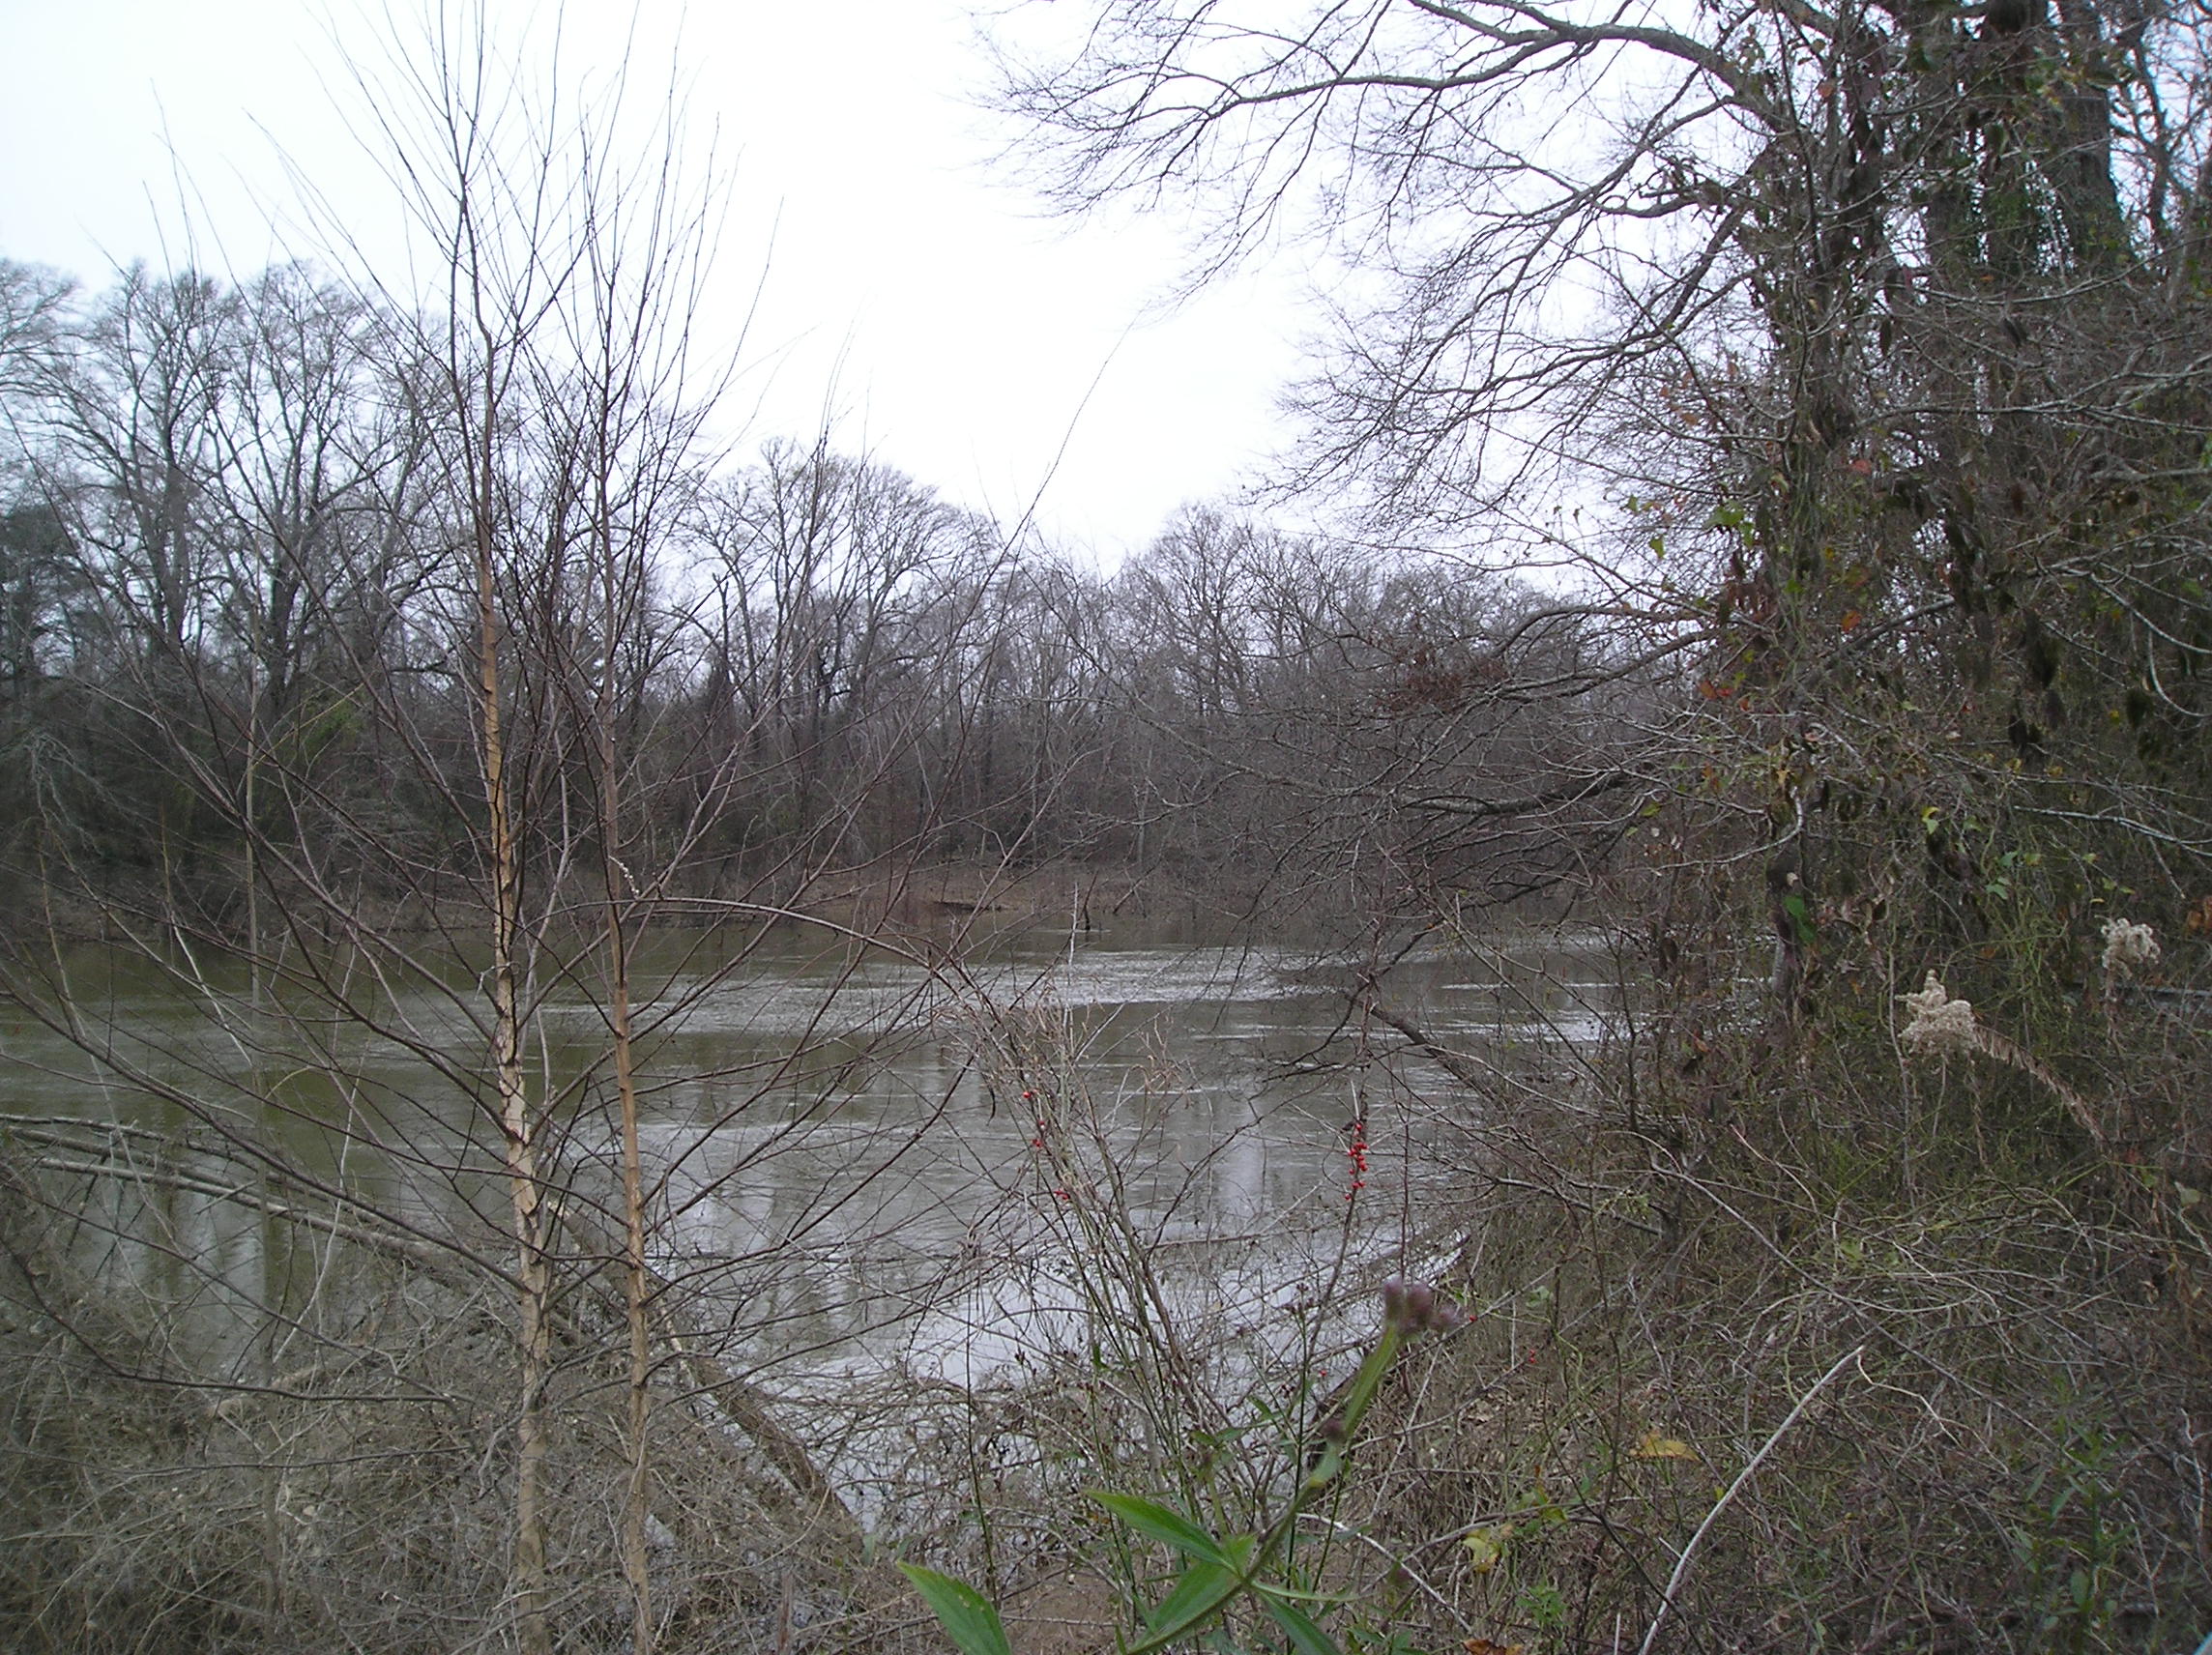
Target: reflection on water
{"x": 845, "y": 1173}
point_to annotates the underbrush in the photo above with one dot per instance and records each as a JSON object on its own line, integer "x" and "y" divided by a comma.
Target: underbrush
{"x": 340, "y": 1479}
{"x": 1775, "y": 1337}
{"x": 1786, "y": 1335}
{"x": 1801, "y": 1342}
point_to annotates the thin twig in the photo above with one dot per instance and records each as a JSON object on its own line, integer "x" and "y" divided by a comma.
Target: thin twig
{"x": 1683, "y": 1564}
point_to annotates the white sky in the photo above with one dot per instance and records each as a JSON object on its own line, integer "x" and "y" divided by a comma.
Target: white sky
{"x": 946, "y": 327}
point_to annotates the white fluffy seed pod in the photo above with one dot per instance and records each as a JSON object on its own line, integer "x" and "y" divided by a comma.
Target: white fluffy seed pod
{"x": 1938, "y": 1024}
{"x": 2129, "y": 947}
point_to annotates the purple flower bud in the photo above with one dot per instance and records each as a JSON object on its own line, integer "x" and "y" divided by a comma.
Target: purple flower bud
{"x": 1415, "y": 1307}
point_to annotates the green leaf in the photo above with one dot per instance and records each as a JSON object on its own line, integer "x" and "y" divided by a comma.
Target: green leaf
{"x": 967, "y": 1615}
{"x": 1306, "y": 1639}
{"x": 1361, "y": 1392}
{"x": 1168, "y": 1527}
{"x": 1326, "y": 1468}
{"x": 1203, "y": 1588}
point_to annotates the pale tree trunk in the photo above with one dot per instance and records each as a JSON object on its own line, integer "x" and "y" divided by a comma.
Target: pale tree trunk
{"x": 525, "y": 1181}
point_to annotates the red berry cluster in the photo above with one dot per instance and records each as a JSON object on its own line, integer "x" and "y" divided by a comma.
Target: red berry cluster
{"x": 1029, "y": 1097}
{"x": 1357, "y": 1150}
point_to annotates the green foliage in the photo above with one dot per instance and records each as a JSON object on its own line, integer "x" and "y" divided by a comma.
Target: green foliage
{"x": 1217, "y": 1571}
{"x": 965, "y": 1614}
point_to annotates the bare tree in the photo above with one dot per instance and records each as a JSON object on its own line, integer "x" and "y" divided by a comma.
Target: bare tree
{"x": 1853, "y": 339}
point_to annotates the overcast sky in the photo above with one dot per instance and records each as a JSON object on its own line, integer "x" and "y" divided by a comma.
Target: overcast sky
{"x": 912, "y": 295}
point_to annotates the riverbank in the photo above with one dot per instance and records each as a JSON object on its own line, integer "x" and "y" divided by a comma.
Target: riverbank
{"x": 1081, "y": 898}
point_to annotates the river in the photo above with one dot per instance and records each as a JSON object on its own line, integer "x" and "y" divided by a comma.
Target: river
{"x": 846, "y": 1175}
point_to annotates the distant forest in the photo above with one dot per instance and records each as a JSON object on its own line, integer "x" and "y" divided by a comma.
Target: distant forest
{"x": 238, "y": 564}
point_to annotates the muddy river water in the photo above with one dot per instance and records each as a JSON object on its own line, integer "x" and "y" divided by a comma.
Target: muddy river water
{"x": 846, "y": 1174}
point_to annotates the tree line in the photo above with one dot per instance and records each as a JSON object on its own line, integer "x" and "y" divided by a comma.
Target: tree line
{"x": 236, "y": 605}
